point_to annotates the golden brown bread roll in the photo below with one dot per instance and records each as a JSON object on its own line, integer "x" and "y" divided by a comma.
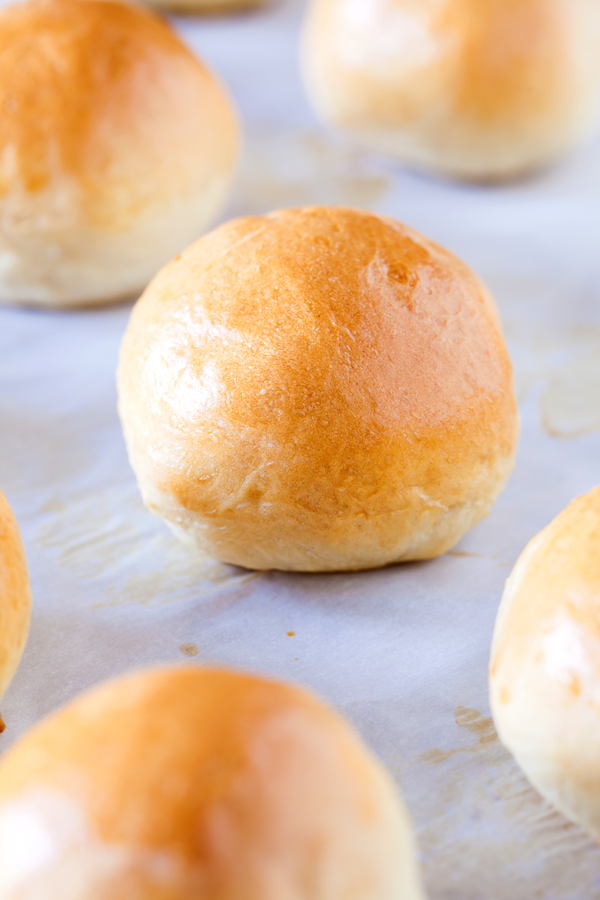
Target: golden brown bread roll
{"x": 200, "y": 784}
{"x": 476, "y": 89}
{"x": 317, "y": 389}
{"x": 117, "y": 149}
{"x": 545, "y": 662}
{"x": 15, "y": 597}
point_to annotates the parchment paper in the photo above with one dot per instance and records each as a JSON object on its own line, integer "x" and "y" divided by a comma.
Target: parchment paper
{"x": 402, "y": 652}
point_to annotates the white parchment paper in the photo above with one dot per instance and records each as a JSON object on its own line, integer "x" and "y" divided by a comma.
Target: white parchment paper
{"x": 402, "y": 652}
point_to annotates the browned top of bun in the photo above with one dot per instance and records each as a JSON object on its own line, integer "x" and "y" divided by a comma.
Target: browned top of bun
{"x": 511, "y": 57}
{"x": 102, "y": 92}
{"x": 476, "y": 88}
{"x": 156, "y": 731}
{"x": 556, "y": 581}
{"x": 15, "y": 596}
{"x": 243, "y": 779}
{"x": 501, "y": 60}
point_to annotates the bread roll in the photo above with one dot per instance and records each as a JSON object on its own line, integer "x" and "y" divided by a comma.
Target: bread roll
{"x": 474, "y": 89}
{"x": 545, "y": 664}
{"x": 200, "y": 784}
{"x": 15, "y": 598}
{"x": 317, "y": 389}
{"x": 117, "y": 149}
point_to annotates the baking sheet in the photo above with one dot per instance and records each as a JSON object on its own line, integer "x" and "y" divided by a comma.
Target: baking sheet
{"x": 402, "y": 652}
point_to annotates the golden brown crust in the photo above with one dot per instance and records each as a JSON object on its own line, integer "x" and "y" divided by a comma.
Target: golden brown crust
{"x": 155, "y": 711}
{"x": 545, "y": 662}
{"x": 241, "y": 787}
{"x": 320, "y": 388}
{"x": 473, "y": 89}
{"x": 74, "y": 78}
{"x": 15, "y": 596}
{"x": 117, "y": 147}
{"x": 559, "y": 570}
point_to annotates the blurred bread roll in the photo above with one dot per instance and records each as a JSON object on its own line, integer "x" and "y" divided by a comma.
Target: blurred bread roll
{"x": 474, "y": 89}
{"x": 545, "y": 662}
{"x": 117, "y": 148}
{"x": 200, "y": 784}
{"x": 15, "y": 597}
{"x": 317, "y": 389}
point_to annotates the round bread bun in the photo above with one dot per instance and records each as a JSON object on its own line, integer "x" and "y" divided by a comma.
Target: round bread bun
{"x": 473, "y": 89}
{"x": 15, "y": 597}
{"x": 545, "y": 663}
{"x": 117, "y": 148}
{"x": 317, "y": 389}
{"x": 200, "y": 784}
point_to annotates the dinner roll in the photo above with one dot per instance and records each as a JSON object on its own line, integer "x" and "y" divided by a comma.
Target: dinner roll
{"x": 200, "y": 784}
{"x": 317, "y": 389}
{"x": 15, "y": 598}
{"x": 545, "y": 664}
{"x": 117, "y": 149}
{"x": 475, "y": 89}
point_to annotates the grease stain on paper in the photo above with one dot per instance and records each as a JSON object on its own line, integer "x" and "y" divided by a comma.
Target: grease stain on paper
{"x": 570, "y": 405}
{"x": 111, "y": 538}
{"x": 483, "y": 832}
{"x": 294, "y": 167}
{"x": 465, "y": 554}
{"x": 566, "y": 362}
{"x": 473, "y": 721}
{"x": 511, "y": 844}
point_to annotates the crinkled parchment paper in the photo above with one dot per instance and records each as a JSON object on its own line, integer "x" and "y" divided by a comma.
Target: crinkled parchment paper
{"x": 402, "y": 652}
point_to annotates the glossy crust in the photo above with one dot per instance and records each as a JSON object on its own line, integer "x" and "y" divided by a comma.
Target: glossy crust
{"x": 476, "y": 89}
{"x": 15, "y": 597}
{"x": 117, "y": 148}
{"x": 545, "y": 663}
{"x": 200, "y": 784}
{"x": 317, "y": 389}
